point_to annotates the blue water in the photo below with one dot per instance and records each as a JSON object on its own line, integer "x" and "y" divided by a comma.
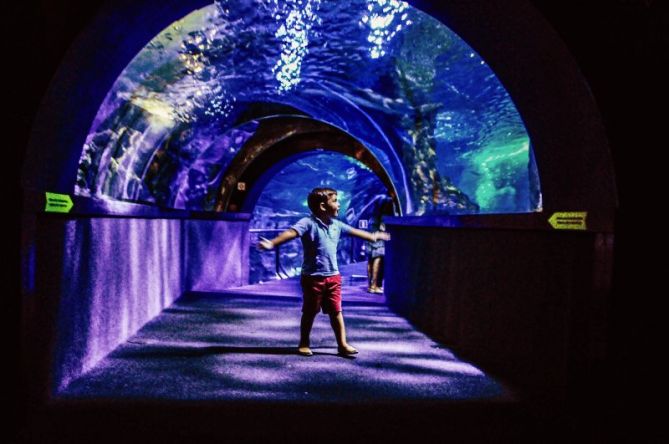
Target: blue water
{"x": 283, "y": 202}
{"x": 417, "y": 96}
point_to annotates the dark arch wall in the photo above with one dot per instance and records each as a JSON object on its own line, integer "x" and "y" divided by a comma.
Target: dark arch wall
{"x": 277, "y": 139}
{"x": 528, "y": 57}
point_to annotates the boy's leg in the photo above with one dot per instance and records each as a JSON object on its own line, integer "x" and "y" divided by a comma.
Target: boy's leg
{"x": 306, "y": 323}
{"x": 312, "y": 290}
{"x": 337, "y": 323}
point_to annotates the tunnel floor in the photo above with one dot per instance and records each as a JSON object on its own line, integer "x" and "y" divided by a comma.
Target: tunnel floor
{"x": 222, "y": 366}
{"x": 241, "y": 345}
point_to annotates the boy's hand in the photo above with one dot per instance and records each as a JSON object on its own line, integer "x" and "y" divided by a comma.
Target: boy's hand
{"x": 265, "y": 244}
{"x": 381, "y": 235}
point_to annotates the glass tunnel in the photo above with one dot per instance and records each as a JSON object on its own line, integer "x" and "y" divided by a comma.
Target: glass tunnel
{"x": 417, "y": 99}
{"x": 213, "y": 134}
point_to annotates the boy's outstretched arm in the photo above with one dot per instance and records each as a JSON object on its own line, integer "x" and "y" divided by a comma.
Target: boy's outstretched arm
{"x": 285, "y": 236}
{"x": 372, "y": 237}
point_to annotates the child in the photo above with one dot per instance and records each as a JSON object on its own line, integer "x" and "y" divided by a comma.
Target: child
{"x": 321, "y": 281}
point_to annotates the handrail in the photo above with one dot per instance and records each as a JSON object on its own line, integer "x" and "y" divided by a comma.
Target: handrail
{"x": 280, "y": 270}
{"x": 278, "y": 266}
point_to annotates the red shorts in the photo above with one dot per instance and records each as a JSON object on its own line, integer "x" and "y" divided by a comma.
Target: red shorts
{"x": 321, "y": 292}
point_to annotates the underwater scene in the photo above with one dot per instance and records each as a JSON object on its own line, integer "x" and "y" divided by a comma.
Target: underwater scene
{"x": 284, "y": 202}
{"x": 413, "y": 93}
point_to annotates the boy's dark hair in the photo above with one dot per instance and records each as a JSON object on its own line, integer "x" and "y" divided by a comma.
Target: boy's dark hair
{"x": 318, "y": 196}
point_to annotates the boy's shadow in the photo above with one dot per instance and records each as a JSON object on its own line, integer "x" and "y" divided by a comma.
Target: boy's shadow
{"x": 173, "y": 350}
{"x": 339, "y": 355}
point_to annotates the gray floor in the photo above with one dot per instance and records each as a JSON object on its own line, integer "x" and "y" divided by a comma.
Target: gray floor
{"x": 240, "y": 345}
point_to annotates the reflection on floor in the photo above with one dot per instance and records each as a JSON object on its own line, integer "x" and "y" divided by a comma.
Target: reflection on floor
{"x": 224, "y": 346}
{"x": 230, "y": 347}
{"x": 222, "y": 367}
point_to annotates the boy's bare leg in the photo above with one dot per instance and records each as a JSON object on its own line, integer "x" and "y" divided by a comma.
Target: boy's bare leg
{"x": 306, "y": 323}
{"x": 337, "y": 323}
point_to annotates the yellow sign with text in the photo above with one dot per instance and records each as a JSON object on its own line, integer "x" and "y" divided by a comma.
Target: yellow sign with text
{"x": 568, "y": 220}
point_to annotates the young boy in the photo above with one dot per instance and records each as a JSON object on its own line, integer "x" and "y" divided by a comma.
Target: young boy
{"x": 321, "y": 281}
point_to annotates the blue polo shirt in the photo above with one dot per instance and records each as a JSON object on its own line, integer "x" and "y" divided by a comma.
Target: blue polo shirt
{"x": 319, "y": 242}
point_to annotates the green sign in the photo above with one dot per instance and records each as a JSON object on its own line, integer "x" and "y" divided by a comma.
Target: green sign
{"x": 58, "y": 203}
{"x": 568, "y": 220}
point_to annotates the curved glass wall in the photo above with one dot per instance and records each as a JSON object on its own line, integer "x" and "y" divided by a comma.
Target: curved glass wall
{"x": 422, "y": 101}
{"x": 283, "y": 202}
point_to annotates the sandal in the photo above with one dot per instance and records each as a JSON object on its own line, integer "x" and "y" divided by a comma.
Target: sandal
{"x": 304, "y": 351}
{"x": 347, "y": 351}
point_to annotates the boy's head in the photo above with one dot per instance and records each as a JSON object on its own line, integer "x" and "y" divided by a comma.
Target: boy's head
{"x": 323, "y": 201}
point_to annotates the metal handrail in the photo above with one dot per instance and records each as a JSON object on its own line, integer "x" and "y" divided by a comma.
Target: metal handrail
{"x": 279, "y": 269}
{"x": 278, "y": 266}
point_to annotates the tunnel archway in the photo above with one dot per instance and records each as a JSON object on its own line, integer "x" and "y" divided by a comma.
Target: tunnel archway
{"x": 279, "y": 140}
{"x": 574, "y": 165}
{"x": 279, "y": 201}
{"x": 461, "y": 182}
{"x": 560, "y": 116}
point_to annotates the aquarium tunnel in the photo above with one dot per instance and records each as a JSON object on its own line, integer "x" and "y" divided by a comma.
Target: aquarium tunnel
{"x": 176, "y": 133}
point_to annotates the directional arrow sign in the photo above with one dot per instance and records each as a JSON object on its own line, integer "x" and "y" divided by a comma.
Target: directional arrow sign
{"x": 58, "y": 203}
{"x": 568, "y": 220}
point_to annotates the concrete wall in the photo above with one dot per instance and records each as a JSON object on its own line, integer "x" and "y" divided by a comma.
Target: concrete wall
{"x": 528, "y": 306}
{"x": 91, "y": 282}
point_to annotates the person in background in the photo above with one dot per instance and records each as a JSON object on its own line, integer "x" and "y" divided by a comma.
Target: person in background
{"x": 376, "y": 250}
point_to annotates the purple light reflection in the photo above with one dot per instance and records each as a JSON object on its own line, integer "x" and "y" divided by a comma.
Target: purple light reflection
{"x": 226, "y": 347}
{"x": 119, "y": 273}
